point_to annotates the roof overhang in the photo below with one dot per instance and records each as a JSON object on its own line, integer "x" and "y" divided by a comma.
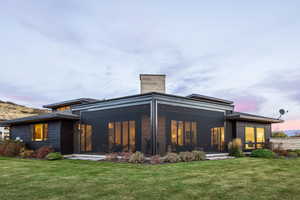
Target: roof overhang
{"x": 70, "y": 102}
{"x": 41, "y": 118}
{"x": 252, "y": 118}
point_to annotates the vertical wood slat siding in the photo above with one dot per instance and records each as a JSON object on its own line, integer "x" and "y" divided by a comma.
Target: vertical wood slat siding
{"x": 25, "y": 133}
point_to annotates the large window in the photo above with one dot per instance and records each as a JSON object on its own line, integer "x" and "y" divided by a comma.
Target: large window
{"x": 40, "y": 132}
{"x": 121, "y": 136}
{"x": 254, "y": 137}
{"x": 218, "y": 138}
{"x": 85, "y": 137}
{"x": 63, "y": 108}
{"x": 260, "y": 137}
{"x": 249, "y": 138}
{"x": 183, "y": 133}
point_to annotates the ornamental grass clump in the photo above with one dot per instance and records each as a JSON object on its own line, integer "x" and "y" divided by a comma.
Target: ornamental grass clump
{"x": 198, "y": 155}
{"x": 172, "y": 158}
{"x": 137, "y": 157}
{"x": 186, "y": 156}
{"x": 235, "y": 148}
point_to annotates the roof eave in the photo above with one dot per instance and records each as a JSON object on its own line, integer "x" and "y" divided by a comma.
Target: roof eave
{"x": 254, "y": 119}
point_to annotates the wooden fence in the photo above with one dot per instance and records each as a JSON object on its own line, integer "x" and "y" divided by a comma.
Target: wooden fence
{"x": 291, "y": 143}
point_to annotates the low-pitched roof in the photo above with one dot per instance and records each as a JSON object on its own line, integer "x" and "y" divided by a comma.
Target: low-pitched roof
{"x": 40, "y": 118}
{"x": 70, "y": 102}
{"x": 239, "y": 116}
{"x": 208, "y": 98}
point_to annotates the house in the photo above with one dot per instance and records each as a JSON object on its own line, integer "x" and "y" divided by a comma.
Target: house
{"x": 4, "y": 131}
{"x": 152, "y": 122}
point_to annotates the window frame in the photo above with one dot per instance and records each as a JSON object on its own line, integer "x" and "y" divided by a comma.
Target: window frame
{"x": 115, "y": 138}
{"x": 44, "y": 132}
{"x": 180, "y": 127}
{"x": 256, "y": 144}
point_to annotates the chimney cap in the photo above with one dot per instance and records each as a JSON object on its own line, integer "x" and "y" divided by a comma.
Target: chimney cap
{"x": 141, "y": 75}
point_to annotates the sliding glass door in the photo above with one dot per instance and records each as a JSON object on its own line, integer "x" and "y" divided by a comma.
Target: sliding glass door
{"x": 122, "y": 136}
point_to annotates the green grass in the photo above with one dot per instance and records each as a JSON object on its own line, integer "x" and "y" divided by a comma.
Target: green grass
{"x": 243, "y": 178}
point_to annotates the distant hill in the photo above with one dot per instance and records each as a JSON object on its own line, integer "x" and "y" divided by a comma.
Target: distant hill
{"x": 10, "y": 110}
{"x": 292, "y": 132}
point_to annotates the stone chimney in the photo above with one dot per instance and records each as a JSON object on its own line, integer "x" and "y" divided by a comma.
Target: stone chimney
{"x": 153, "y": 83}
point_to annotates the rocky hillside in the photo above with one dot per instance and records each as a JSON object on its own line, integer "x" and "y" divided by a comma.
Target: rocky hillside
{"x": 9, "y": 110}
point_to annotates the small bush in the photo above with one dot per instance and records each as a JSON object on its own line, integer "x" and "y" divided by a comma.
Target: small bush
{"x": 292, "y": 155}
{"x": 298, "y": 152}
{"x": 235, "y": 148}
{"x": 54, "y": 156}
{"x": 198, "y": 155}
{"x": 172, "y": 158}
{"x": 156, "y": 160}
{"x": 262, "y": 153}
{"x": 186, "y": 156}
{"x": 42, "y": 152}
{"x": 11, "y": 148}
{"x": 111, "y": 157}
{"x": 137, "y": 157}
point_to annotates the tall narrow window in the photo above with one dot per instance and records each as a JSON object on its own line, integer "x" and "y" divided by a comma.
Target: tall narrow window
{"x": 183, "y": 133}
{"x": 218, "y": 138}
{"x": 249, "y": 138}
{"x": 125, "y": 135}
{"x": 174, "y": 131}
{"x": 85, "y": 137}
{"x": 260, "y": 137}
{"x": 40, "y": 132}
{"x": 180, "y": 133}
{"x": 121, "y": 136}
{"x": 132, "y": 136}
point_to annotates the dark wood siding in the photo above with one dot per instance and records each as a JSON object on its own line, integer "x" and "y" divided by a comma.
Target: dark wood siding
{"x": 25, "y": 133}
{"x": 66, "y": 136}
{"x": 206, "y": 120}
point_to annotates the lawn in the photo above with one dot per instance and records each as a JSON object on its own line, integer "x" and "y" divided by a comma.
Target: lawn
{"x": 243, "y": 178}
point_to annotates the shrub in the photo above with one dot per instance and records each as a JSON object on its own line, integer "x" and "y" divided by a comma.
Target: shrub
{"x": 11, "y": 148}
{"x": 292, "y": 155}
{"x": 297, "y": 151}
{"x": 111, "y": 157}
{"x": 172, "y": 158}
{"x": 137, "y": 157}
{"x": 235, "y": 148}
{"x": 42, "y": 152}
{"x": 54, "y": 156}
{"x": 156, "y": 159}
{"x": 262, "y": 153}
{"x": 198, "y": 155}
{"x": 279, "y": 135}
{"x": 186, "y": 156}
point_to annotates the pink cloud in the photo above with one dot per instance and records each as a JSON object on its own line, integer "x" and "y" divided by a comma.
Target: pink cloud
{"x": 248, "y": 103}
{"x": 287, "y": 125}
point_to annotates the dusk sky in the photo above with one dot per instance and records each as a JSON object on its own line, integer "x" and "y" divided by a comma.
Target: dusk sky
{"x": 245, "y": 51}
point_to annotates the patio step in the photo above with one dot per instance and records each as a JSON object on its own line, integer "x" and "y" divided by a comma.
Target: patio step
{"x": 218, "y": 156}
{"x": 85, "y": 157}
